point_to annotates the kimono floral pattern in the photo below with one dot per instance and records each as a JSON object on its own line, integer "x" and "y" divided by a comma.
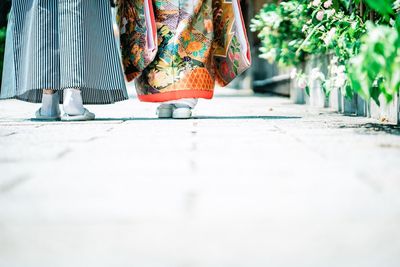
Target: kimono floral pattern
{"x": 230, "y": 60}
{"x": 197, "y": 46}
{"x": 133, "y": 29}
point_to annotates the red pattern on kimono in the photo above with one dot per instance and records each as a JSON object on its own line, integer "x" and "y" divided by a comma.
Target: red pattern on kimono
{"x": 199, "y": 42}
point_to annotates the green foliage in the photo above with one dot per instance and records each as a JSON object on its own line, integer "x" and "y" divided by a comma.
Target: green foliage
{"x": 384, "y": 7}
{"x": 4, "y": 8}
{"x": 280, "y": 31}
{"x": 291, "y": 30}
{"x": 376, "y": 70}
{"x": 366, "y": 57}
{"x": 2, "y": 46}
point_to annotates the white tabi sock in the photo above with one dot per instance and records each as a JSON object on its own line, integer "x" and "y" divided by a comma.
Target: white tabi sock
{"x": 50, "y": 105}
{"x": 73, "y": 103}
{"x": 184, "y": 103}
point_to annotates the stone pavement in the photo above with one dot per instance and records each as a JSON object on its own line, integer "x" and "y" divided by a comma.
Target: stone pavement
{"x": 252, "y": 181}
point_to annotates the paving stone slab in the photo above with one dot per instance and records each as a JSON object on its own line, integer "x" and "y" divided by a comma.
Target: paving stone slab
{"x": 252, "y": 180}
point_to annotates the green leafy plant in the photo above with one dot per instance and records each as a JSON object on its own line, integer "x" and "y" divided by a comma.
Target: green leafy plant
{"x": 292, "y": 30}
{"x": 280, "y": 31}
{"x": 376, "y": 70}
{"x": 334, "y": 29}
{"x": 366, "y": 58}
{"x": 2, "y": 46}
{"x": 384, "y": 7}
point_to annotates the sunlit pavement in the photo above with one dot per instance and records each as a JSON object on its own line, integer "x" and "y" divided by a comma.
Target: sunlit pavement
{"x": 252, "y": 181}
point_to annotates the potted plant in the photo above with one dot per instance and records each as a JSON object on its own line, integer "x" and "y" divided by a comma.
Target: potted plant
{"x": 375, "y": 71}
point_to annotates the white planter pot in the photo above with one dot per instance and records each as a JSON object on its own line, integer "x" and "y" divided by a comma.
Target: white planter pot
{"x": 349, "y": 105}
{"x": 335, "y": 100}
{"x": 362, "y": 107}
{"x": 386, "y": 112}
{"x": 297, "y": 95}
{"x": 317, "y": 97}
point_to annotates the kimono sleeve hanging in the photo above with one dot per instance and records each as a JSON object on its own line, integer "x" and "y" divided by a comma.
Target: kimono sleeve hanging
{"x": 197, "y": 43}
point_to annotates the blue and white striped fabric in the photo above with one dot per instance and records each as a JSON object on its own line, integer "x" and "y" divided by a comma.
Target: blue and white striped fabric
{"x": 59, "y": 44}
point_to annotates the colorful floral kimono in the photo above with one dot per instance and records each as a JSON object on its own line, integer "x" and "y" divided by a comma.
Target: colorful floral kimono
{"x": 198, "y": 42}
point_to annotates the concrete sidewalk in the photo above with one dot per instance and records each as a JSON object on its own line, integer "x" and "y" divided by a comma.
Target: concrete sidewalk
{"x": 252, "y": 181}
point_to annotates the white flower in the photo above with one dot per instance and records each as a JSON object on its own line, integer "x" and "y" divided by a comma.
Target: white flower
{"x": 305, "y": 28}
{"x": 330, "y": 12}
{"x": 302, "y": 83}
{"x": 329, "y": 36}
{"x": 320, "y": 15}
{"x": 340, "y": 80}
{"x": 316, "y": 74}
{"x": 270, "y": 56}
{"x": 316, "y": 2}
{"x": 293, "y": 73}
{"x": 333, "y": 69}
{"x": 341, "y": 69}
{"x": 396, "y": 4}
{"x": 328, "y": 4}
{"x": 339, "y": 76}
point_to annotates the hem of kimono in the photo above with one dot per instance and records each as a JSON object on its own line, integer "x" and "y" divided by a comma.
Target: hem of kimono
{"x": 176, "y": 95}
{"x": 90, "y": 96}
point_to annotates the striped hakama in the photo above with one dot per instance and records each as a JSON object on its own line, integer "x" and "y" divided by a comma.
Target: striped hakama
{"x": 60, "y": 44}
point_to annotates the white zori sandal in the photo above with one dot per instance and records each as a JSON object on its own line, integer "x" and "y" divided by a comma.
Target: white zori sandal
{"x": 73, "y": 107}
{"x": 177, "y": 109}
{"x": 86, "y": 116}
{"x": 50, "y": 109}
{"x": 40, "y": 117}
